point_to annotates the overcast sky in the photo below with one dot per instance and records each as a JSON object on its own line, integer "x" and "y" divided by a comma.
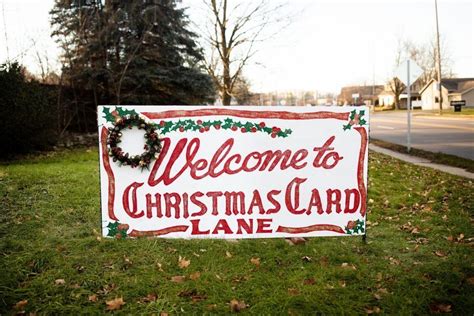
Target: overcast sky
{"x": 331, "y": 43}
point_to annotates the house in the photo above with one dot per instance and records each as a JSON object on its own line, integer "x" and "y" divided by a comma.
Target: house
{"x": 367, "y": 95}
{"x": 455, "y": 89}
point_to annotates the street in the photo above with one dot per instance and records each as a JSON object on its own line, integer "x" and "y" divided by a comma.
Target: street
{"x": 453, "y": 136}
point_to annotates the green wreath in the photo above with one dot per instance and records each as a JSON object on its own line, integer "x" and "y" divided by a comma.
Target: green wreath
{"x": 152, "y": 145}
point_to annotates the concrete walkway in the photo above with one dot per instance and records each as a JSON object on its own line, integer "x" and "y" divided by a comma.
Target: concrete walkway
{"x": 422, "y": 162}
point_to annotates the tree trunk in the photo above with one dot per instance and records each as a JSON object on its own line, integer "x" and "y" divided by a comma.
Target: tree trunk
{"x": 226, "y": 97}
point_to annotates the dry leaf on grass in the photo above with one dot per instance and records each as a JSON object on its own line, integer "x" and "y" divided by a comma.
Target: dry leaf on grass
{"x": 59, "y": 282}
{"x": 228, "y": 254}
{"x": 149, "y": 298}
{"x": 440, "y": 308}
{"x": 296, "y": 241}
{"x": 293, "y": 292}
{"x": 195, "y": 275}
{"x": 255, "y": 261}
{"x": 164, "y": 314}
{"x": 470, "y": 280}
{"x": 372, "y": 310}
{"x": 345, "y": 265}
{"x": 306, "y": 258}
{"x": 183, "y": 263}
{"x": 237, "y": 306}
{"x": 115, "y": 304}
{"x": 178, "y": 278}
{"x": 159, "y": 266}
{"x": 440, "y": 254}
{"x": 309, "y": 281}
{"x": 93, "y": 298}
{"x": 21, "y": 305}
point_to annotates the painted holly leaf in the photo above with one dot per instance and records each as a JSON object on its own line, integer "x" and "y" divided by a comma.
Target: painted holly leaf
{"x": 108, "y": 116}
{"x": 124, "y": 112}
{"x": 355, "y": 227}
{"x": 117, "y": 230}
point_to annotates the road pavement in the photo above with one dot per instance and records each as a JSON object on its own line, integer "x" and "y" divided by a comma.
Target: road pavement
{"x": 448, "y": 135}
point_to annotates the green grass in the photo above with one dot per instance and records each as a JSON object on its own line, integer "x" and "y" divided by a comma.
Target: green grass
{"x": 469, "y": 112}
{"x": 440, "y": 158}
{"x": 49, "y": 224}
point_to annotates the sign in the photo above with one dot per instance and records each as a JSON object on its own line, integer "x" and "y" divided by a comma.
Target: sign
{"x": 457, "y": 105}
{"x": 415, "y": 72}
{"x": 233, "y": 172}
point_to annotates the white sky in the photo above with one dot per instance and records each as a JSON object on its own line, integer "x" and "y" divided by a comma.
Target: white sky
{"x": 329, "y": 45}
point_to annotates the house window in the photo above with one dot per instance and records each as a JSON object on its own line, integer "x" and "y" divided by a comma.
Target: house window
{"x": 436, "y": 100}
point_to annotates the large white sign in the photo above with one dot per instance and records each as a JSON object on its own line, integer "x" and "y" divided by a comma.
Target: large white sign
{"x": 233, "y": 172}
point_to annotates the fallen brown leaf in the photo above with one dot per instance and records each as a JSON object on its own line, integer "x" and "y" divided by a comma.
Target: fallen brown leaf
{"x": 228, "y": 254}
{"x": 345, "y": 265}
{"x": 211, "y": 306}
{"x": 183, "y": 263}
{"x": 255, "y": 261}
{"x": 178, "y": 278}
{"x": 372, "y": 310}
{"x": 59, "y": 282}
{"x": 93, "y": 298}
{"x": 159, "y": 266}
{"x": 293, "y": 292}
{"x": 195, "y": 275}
{"x": 306, "y": 258}
{"x": 439, "y": 253}
{"x": 149, "y": 298}
{"x": 237, "y": 306}
{"x": 309, "y": 281}
{"x": 21, "y": 305}
{"x": 295, "y": 241}
{"x": 342, "y": 283}
{"x": 164, "y": 314}
{"x": 440, "y": 308}
{"x": 324, "y": 261}
{"x": 470, "y": 280}
{"x": 115, "y": 304}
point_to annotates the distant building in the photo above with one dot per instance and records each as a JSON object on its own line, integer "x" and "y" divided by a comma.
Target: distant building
{"x": 368, "y": 95}
{"x": 455, "y": 89}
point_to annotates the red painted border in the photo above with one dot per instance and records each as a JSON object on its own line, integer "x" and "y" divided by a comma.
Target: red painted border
{"x": 312, "y": 228}
{"x": 110, "y": 173}
{"x": 360, "y": 169}
{"x": 283, "y": 115}
{"x": 159, "y": 232}
{"x": 244, "y": 114}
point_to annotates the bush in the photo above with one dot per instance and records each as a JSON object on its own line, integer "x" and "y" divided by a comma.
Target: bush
{"x": 27, "y": 112}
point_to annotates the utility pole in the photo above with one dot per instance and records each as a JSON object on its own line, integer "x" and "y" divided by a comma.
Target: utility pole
{"x": 438, "y": 55}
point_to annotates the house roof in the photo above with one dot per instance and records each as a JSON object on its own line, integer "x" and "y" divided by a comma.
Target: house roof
{"x": 453, "y": 85}
{"x": 363, "y": 91}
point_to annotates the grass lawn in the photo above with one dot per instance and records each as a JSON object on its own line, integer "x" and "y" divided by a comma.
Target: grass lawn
{"x": 440, "y": 158}
{"x": 418, "y": 258}
{"x": 468, "y": 112}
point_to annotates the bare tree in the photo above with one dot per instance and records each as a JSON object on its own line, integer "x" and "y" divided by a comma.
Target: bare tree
{"x": 395, "y": 84}
{"x": 233, "y": 33}
{"x": 425, "y": 55}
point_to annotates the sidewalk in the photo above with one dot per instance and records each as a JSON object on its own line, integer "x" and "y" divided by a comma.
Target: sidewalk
{"x": 422, "y": 162}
